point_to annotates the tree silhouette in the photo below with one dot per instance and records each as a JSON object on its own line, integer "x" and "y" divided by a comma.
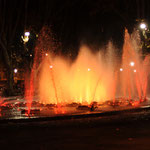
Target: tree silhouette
{"x": 9, "y": 24}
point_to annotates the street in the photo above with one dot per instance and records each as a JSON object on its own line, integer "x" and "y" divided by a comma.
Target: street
{"x": 127, "y": 131}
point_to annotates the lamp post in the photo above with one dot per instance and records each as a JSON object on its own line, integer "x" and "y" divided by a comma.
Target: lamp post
{"x": 145, "y": 36}
{"x": 25, "y": 37}
{"x": 15, "y": 75}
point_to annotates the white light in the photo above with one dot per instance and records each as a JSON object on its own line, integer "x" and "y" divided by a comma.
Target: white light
{"x": 51, "y": 67}
{"x": 142, "y": 25}
{"x": 121, "y": 69}
{"x": 15, "y": 70}
{"x": 27, "y": 33}
{"x": 132, "y": 64}
{"x": 46, "y": 54}
{"x": 89, "y": 69}
{"x": 25, "y": 39}
{"x": 134, "y": 70}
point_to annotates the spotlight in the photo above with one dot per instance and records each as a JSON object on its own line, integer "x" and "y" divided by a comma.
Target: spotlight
{"x": 50, "y": 66}
{"x": 121, "y": 69}
{"x": 132, "y": 64}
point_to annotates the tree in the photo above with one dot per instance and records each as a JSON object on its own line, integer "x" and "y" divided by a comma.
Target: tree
{"x": 11, "y": 14}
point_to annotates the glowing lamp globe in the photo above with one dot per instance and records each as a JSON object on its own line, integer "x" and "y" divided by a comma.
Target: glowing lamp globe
{"x": 15, "y": 70}
{"x": 27, "y": 33}
{"x": 143, "y": 26}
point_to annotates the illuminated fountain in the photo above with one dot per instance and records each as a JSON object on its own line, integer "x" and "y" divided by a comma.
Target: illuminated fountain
{"x": 85, "y": 80}
{"x": 92, "y": 77}
{"x": 135, "y": 72}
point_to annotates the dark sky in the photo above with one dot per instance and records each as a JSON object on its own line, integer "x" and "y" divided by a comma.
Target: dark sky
{"x": 74, "y": 21}
{"x": 91, "y": 21}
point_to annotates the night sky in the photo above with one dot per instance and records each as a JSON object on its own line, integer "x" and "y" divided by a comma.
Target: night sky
{"x": 94, "y": 22}
{"x": 73, "y": 22}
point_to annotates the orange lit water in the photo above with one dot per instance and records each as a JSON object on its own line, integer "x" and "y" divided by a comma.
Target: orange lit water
{"x": 91, "y": 77}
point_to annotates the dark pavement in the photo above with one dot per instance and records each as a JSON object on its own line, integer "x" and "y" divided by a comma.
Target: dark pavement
{"x": 128, "y": 131}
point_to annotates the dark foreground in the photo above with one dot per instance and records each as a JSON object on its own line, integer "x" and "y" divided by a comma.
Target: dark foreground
{"x": 125, "y": 131}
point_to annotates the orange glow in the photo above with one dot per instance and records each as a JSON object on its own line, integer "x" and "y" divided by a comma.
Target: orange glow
{"x": 134, "y": 78}
{"x": 135, "y": 103}
{"x": 75, "y": 83}
{"x": 91, "y": 77}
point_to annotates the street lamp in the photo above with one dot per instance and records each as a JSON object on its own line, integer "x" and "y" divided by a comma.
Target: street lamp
{"x": 25, "y": 38}
{"x": 15, "y": 70}
{"x": 27, "y": 33}
{"x": 143, "y": 26}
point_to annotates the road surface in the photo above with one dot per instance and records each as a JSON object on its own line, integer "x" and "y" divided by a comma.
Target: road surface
{"x": 127, "y": 131}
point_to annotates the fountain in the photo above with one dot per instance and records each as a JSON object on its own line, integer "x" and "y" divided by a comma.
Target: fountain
{"x": 94, "y": 77}
{"x": 135, "y": 70}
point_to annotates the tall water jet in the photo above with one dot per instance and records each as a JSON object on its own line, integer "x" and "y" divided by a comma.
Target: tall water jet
{"x": 145, "y": 75}
{"x": 128, "y": 62}
{"x": 135, "y": 75}
{"x": 111, "y": 58}
{"x": 44, "y": 44}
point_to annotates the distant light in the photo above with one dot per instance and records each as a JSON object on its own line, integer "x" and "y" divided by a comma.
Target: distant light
{"x": 15, "y": 70}
{"x": 134, "y": 70}
{"x": 46, "y": 54}
{"x": 89, "y": 69}
{"x": 25, "y": 38}
{"x": 121, "y": 69}
{"x": 30, "y": 55}
{"x": 27, "y": 33}
{"x": 143, "y": 26}
{"x": 132, "y": 64}
{"x": 50, "y": 66}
